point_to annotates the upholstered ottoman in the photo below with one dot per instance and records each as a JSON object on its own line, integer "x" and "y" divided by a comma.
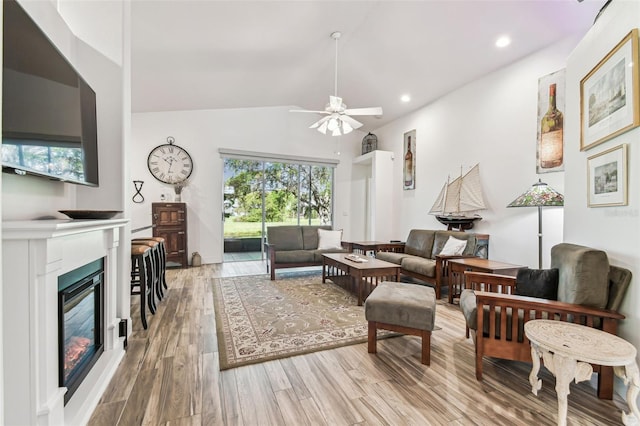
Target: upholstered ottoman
{"x": 403, "y": 308}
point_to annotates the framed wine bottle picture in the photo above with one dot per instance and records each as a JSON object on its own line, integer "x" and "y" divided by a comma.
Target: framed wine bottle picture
{"x": 550, "y": 140}
{"x": 409, "y": 158}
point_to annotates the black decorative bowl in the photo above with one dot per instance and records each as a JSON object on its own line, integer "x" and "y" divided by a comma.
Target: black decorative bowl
{"x": 90, "y": 214}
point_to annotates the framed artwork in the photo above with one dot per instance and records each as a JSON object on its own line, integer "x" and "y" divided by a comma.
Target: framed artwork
{"x": 409, "y": 168}
{"x": 550, "y": 141}
{"x": 607, "y": 178}
{"x": 610, "y": 95}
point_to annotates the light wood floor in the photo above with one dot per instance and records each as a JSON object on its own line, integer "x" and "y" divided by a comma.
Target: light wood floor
{"x": 170, "y": 376}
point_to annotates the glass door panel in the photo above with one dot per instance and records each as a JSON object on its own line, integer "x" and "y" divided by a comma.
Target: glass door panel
{"x": 242, "y": 206}
{"x": 260, "y": 194}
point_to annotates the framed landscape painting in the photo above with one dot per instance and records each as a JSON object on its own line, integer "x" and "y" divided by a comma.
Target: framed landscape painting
{"x": 609, "y": 95}
{"x": 409, "y": 167}
{"x": 607, "y": 177}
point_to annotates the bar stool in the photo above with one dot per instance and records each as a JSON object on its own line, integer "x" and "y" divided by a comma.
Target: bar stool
{"x": 163, "y": 256}
{"x": 141, "y": 277}
{"x": 156, "y": 264}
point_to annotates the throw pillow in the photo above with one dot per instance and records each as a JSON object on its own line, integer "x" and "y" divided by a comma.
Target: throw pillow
{"x": 328, "y": 240}
{"x": 453, "y": 247}
{"x": 540, "y": 283}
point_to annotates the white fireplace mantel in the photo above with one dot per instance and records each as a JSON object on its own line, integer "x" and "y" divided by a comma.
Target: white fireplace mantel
{"x": 34, "y": 254}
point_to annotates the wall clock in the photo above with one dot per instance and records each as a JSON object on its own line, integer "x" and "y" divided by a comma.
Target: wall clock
{"x": 170, "y": 163}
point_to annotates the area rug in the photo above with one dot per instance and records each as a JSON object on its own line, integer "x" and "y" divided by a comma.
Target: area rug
{"x": 259, "y": 320}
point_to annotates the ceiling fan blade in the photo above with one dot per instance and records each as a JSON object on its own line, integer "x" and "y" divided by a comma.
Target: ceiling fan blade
{"x": 353, "y": 123}
{"x": 308, "y": 110}
{"x": 364, "y": 111}
{"x": 319, "y": 122}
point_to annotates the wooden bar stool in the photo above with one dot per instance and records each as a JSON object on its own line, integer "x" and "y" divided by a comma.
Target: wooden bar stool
{"x": 141, "y": 266}
{"x": 163, "y": 257}
{"x": 156, "y": 264}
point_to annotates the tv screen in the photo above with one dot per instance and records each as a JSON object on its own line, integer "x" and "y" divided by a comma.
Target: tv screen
{"x": 49, "y": 123}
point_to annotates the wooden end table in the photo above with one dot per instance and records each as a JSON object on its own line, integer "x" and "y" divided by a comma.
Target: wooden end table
{"x": 457, "y": 267}
{"x": 360, "y": 274}
{"x": 569, "y": 349}
{"x": 363, "y": 247}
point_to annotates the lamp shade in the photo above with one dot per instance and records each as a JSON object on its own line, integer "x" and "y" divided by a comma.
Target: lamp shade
{"x": 539, "y": 195}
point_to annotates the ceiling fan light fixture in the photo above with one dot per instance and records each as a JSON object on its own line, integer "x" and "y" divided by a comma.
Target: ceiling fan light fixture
{"x": 323, "y": 128}
{"x": 334, "y": 123}
{"x": 338, "y": 118}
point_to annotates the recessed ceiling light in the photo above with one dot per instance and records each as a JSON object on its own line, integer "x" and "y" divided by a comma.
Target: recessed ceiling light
{"x": 503, "y": 41}
{"x": 405, "y": 98}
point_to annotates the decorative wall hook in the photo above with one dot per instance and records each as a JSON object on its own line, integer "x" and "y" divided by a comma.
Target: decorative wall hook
{"x": 138, "y": 197}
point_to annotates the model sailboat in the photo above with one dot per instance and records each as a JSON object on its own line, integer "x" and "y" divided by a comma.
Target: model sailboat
{"x": 458, "y": 199}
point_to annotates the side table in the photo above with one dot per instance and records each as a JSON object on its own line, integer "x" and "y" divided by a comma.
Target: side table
{"x": 475, "y": 264}
{"x": 569, "y": 349}
{"x": 363, "y": 247}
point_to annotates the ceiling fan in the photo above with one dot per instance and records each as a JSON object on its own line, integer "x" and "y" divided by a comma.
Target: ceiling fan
{"x": 338, "y": 118}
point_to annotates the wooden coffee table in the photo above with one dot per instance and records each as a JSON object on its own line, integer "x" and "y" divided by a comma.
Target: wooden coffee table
{"x": 475, "y": 264}
{"x": 335, "y": 265}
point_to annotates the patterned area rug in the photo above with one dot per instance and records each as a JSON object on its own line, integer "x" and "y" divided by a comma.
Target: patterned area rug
{"x": 259, "y": 320}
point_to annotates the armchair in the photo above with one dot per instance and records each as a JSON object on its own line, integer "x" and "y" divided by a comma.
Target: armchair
{"x": 590, "y": 292}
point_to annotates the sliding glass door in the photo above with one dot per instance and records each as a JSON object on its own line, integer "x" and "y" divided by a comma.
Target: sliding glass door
{"x": 259, "y": 194}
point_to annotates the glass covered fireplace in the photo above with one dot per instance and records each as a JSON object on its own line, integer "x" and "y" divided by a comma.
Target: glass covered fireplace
{"x": 80, "y": 323}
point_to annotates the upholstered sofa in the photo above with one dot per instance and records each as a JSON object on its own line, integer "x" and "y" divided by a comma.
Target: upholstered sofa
{"x": 292, "y": 246}
{"x": 589, "y": 292}
{"x": 422, "y": 258}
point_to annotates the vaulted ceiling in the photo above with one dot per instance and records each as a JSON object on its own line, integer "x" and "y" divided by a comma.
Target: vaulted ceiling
{"x": 207, "y": 54}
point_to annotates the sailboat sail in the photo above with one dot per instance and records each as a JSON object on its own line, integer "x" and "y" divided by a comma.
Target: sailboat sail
{"x": 463, "y": 194}
{"x": 438, "y": 206}
{"x": 471, "y": 191}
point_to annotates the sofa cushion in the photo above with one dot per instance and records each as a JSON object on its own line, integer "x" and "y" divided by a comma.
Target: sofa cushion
{"x": 310, "y": 235}
{"x": 287, "y": 237}
{"x": 619, "y": 279}
{"x": 583, "y": 274}
{"x": 419, "y": 265}
{"x": 441, "y": 238}
{"x": 317, "y": 254}
{"x": 540, "y": 283}
{"x": 328, "y": 240}
{"x": 389, "y": 256}
{"x": 294, "y": 256}
{"x": 407, "y": 305}
{"x": 469, "y": 308}
{"x": 419, "y": 242}
{"x": 453, "y": 247}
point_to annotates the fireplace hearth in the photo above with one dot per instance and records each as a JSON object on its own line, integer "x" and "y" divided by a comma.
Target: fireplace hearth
{"x": 35, "y": 254}
{"x": 80, "y": 319}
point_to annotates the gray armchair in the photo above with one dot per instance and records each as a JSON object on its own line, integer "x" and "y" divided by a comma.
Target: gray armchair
{"x": 589, "y": 292}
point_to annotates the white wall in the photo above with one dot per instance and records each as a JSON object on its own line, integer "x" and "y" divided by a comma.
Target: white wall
{"x": 613, "y": 229}
{"x": 202, "y": 133}
{"x": 491, "y": 121}
{"x": 104, "y": 62}
{"x": 28, "y": 197}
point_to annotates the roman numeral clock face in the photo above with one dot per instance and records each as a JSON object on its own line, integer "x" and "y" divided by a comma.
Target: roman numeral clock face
{"x": 170, "y": 163}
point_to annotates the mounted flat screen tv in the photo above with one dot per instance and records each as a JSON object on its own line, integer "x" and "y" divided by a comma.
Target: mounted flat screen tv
{"x": 49, "y": 124}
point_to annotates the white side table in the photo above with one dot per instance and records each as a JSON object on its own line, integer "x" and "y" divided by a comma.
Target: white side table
{"x": 568, "y": 350}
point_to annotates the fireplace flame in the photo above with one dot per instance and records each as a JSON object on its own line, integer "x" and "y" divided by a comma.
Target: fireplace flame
{"x": 74, "y": 352}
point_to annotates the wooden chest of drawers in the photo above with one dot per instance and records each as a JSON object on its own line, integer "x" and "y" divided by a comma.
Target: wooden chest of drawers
{"x": 170, "y": 223}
